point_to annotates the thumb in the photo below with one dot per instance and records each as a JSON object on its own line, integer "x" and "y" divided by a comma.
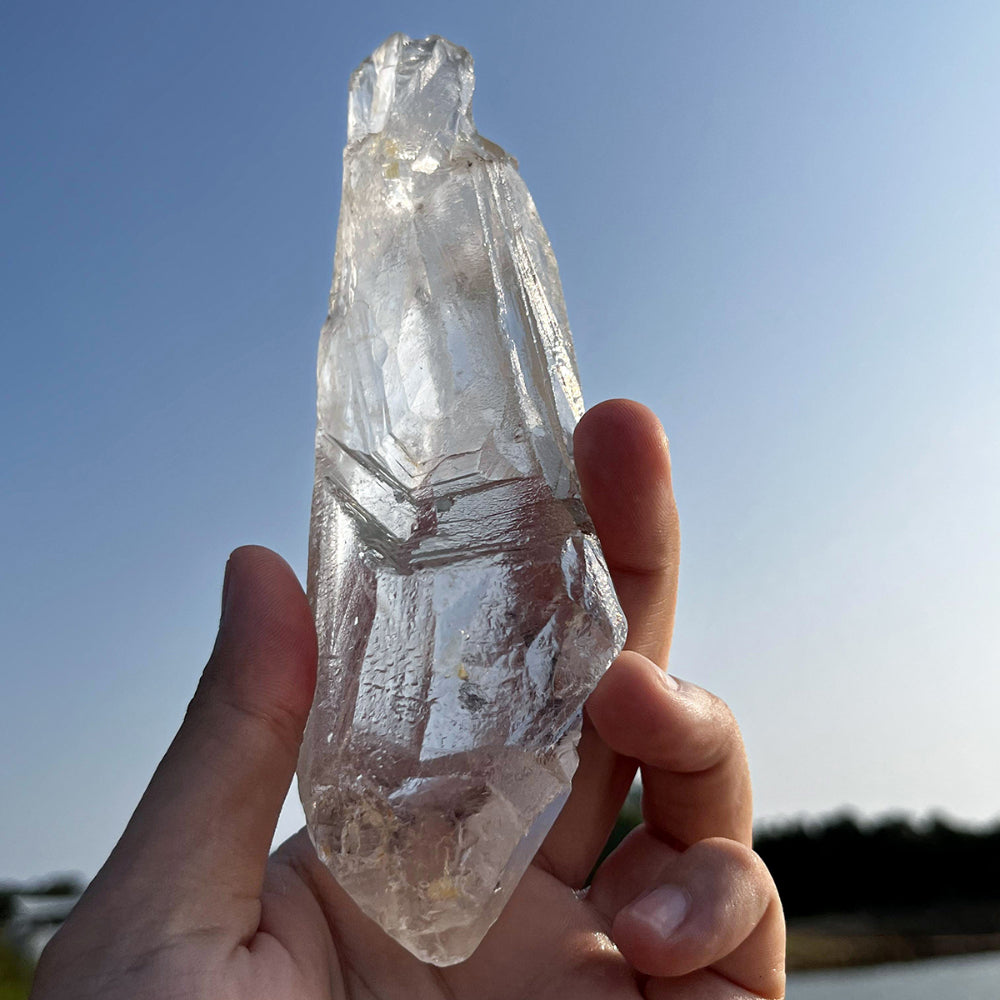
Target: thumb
{"x": 204, "y": 825}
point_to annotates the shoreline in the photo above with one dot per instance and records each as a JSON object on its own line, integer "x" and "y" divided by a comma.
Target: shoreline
{"x": 813, "y": 949}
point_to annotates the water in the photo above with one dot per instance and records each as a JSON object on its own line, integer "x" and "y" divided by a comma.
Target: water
{"x": 969, "y": 977}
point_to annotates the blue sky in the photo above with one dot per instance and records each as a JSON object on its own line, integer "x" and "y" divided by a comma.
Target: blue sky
{"x": 778, "y": 224}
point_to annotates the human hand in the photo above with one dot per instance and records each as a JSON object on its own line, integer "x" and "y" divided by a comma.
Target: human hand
{"x": 189, "y": 905}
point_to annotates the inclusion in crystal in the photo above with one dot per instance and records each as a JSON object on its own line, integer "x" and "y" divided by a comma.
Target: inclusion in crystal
{"x": 463, "y": 606}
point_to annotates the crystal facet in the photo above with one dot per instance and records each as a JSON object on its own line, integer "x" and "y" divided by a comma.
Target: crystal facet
{"x": 463, "y": 605}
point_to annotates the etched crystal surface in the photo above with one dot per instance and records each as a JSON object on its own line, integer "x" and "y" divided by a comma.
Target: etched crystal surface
{"x": 463, "y": 605}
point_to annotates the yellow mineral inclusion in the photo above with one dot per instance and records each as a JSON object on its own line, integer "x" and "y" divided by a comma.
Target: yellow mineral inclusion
{"x": 442, "y": 888}
{"x": 463, "y": 674}
{"x": 390, "y": 168}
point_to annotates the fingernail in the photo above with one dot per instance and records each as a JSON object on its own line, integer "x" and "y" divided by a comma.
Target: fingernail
{"x": 225, "y": 593}
{"x": 663, "y": 910}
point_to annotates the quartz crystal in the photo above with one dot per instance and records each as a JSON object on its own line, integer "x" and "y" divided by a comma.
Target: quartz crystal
{"x": 463, "y": 605}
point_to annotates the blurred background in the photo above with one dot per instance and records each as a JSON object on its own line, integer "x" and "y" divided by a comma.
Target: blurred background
{"x": 778, "y": 224}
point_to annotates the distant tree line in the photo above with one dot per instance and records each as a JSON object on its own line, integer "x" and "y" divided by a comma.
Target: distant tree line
{"x": 842, "y": 864}
{"x": 50, "y": 885}
{"x": 845, "y": 865}
{"x": 839, "y": 864}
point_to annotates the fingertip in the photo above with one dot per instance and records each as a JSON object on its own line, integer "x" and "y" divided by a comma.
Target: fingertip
{"x": 265, "y": 566}
{"x": 621, "y": 419}
{"x": 266, "y": 649}
{"x": 623, "y": 462}
{"x": 714, "y": 905}
{"x": 623, "y": 434}
{"x": 630, "y": 700}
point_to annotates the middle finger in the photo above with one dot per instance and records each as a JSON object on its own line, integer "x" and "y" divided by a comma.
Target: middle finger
{"x": 695, "y": 779}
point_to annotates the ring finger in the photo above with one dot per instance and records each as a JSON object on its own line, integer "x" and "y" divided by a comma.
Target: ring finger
{"x": 713, "y": 906}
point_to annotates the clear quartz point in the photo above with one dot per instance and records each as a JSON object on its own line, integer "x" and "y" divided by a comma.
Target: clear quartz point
{"x": 463, "y": 604}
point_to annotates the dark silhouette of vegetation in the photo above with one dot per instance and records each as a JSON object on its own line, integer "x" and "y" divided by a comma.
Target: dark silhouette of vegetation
{"x": 15, "y": 967}
{"x": 15, "y": 974}
{"x": 927, "y": 875}
{"x": 855, "y": 891}
{"x": 841, "y": 864}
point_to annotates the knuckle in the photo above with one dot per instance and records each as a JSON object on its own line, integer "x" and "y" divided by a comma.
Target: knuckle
{"x": 279, "y": 723}
{"x": 221, "y": 696}
{"x": 724, "y": 722}
{"x": 736, "y": 862}
{"x": 716, "y": 738}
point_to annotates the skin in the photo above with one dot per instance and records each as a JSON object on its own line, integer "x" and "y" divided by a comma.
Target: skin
{"x": 189, "y": 905}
